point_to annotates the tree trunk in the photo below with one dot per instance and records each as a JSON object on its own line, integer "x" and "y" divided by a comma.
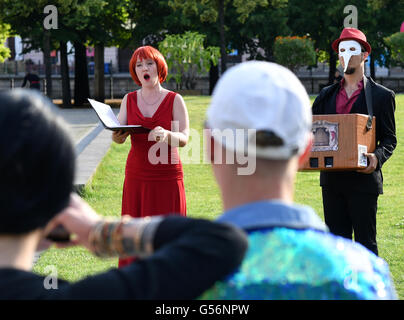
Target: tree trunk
{"x": 81, "y": 86}
{"x": 372, "y": 68}
{"x": 213, "y": 77}
{"x": 99, "y": 82}
{"x": 64, "y": 70}
{"x": 223, "y": 54}
{"x": 48, "y": 63}
{"x": 11, "y": 46}
{"x": 333, "y": 66}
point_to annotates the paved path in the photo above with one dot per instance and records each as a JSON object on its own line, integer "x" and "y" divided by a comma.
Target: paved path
{"x": 92, "y": 141}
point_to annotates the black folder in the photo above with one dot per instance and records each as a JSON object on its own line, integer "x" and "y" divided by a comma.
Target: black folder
{"x": 109, "y": 120}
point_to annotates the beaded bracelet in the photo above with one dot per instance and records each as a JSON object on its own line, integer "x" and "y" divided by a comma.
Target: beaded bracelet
{"x": 138, "y": 234}
{"x": 118, "y": 237}
{"x": 95, "y": 236}
{"x": 148, "y": 235}
{"x": 106, "y": 237}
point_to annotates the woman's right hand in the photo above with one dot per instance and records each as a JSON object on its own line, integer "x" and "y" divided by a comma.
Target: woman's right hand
{"x": 120, "y": 136}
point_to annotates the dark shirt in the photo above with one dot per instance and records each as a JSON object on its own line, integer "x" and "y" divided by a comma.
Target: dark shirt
{"x": 34, "y": 81}
{"x": 190, "y": 255}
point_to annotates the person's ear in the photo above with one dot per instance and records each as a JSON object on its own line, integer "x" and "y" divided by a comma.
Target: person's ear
{"x": 365, "y": 55}
{"x": 305, "y": 155}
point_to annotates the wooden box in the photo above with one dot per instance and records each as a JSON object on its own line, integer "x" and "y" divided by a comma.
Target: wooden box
{"x": 339, "y": 142}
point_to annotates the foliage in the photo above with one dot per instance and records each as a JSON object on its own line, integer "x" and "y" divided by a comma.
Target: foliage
{"x": 82, "y": 22}
{"x": 379, "y": 19}
{"x": 396, "y": 44}
{"x": 256, "y": 35}
{"x": 186, "y": 57}
{"x": 294, "y": 52}
{"x": 324, "y": 23}
{"x": 320, "y": 21}
{"x": 96, "y": 21}
{"x": 222, "y": 21}
{"x": 4, "y": 33}
{"x": 322, "y": 56}
{"x": 245, "y": 8}
{"x": 208, "y": 9}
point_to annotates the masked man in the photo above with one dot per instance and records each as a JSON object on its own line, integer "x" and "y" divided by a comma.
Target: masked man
{"x": 350, "y": 197}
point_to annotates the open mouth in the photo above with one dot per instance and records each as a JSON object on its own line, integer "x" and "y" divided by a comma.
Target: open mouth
{"x": 146, "y": 77}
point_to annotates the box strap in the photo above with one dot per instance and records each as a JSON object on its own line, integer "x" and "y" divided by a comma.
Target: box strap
{"x": 368, "y": 95}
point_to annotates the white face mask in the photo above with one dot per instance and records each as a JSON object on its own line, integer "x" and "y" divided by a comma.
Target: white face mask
{"x": 346, "y": 52}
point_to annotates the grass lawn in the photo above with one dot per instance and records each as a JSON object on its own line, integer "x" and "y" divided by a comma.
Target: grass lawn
{"x": 203, "y": 200}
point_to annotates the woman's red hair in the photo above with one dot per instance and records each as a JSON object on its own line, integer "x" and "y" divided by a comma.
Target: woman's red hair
{"x": 148, "y": 52}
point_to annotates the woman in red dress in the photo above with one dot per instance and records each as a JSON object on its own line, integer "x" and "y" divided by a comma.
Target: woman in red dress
{"x": 154, "y": 182}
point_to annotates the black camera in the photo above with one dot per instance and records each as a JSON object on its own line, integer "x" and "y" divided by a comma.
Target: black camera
{"x": 59, "y": 234}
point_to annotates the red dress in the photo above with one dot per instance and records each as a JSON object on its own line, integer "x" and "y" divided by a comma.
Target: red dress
{"x": 154, "y": 182}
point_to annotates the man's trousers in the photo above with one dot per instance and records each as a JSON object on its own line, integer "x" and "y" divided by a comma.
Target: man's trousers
{"x": 346, "y": 211}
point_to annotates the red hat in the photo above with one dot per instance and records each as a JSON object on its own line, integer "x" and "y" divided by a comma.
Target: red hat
{"x": 352, "y": 34}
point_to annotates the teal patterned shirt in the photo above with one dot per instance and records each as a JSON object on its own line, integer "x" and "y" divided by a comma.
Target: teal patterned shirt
{"x": 292, "y": 255}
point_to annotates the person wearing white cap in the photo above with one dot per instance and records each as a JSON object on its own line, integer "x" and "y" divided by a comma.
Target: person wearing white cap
{"x": 350, "y": 197}
{"x": 291, "y": 254}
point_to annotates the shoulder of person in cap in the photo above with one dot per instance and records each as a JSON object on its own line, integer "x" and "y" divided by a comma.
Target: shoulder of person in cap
{"x": 380, "y": 89}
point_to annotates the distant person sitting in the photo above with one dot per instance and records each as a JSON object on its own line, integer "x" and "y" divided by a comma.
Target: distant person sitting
{"x": 291, "y": 254}
{"x": 32, "y": 78}
{"x": 179, "y": 257}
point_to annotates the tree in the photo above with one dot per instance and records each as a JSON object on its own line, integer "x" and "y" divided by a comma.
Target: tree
{"x": 4, "y": 33}
{"x": 80, "y": 21}
{"x": 150, "y": 20}
{"x": 214, "y": 12}
{"x": 107, "y": 27}
{"x": 186, "y": 55}
{"x": 78, "y": 27}
{"x": 25, "y": 19}
{"x": 378, "y": 19}
{"x": 256, "y": 35}
{"x": 294, "y": 52}
{"x": 396, "y": 44}
{"x": 322, "y": 22}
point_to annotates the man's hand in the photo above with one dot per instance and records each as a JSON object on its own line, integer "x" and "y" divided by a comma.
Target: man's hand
{"x": 372, "y": 163}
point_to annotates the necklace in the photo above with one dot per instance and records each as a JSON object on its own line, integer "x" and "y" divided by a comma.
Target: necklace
{"x": 350, "y": 91}
{"x": 144, "y": 100}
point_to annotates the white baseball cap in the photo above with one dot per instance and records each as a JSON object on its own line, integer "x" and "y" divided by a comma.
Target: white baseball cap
{"x": 270, "y": 102}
